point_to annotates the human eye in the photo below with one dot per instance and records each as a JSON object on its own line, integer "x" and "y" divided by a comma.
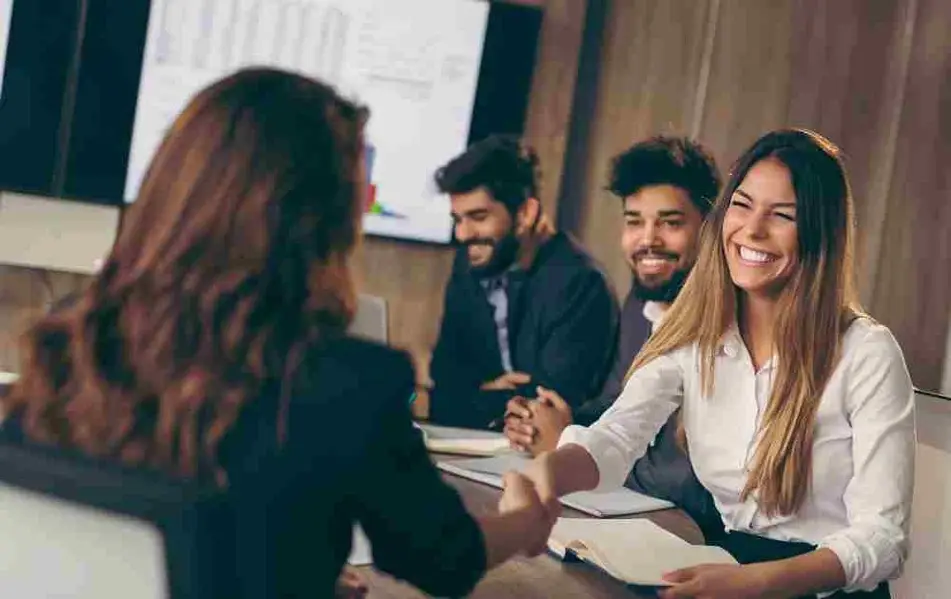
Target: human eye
{"x": 740, "y": 201}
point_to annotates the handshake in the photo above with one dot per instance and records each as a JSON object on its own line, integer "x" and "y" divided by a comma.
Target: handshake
{"x": 530, "y": 505}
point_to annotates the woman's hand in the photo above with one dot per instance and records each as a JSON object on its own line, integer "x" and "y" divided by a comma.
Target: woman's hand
{"x": 720, "y": 581}
{"x": 541, "y": 472}
{"x": 519, "y": 496}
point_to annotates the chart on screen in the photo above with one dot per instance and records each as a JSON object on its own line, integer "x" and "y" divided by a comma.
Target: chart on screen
{"x": 414, "y": 64}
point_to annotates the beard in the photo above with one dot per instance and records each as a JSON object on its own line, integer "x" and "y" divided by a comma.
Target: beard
{"x": 665, "y": 292}
{"x": 504, "y": 253}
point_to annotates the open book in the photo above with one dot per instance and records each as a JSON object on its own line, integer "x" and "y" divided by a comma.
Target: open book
{"x": 634, "y": 551}
{"x": 462, "y": 441}
{"x": 621, "y": 502}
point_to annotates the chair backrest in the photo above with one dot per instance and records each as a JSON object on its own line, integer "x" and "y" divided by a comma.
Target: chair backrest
{"x": 926, "y": 574}
{"x": 370, "y": 321}
{"x": 80, "y": 528}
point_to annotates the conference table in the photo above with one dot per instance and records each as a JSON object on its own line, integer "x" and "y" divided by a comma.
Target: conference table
{"x": 540, "y": 577}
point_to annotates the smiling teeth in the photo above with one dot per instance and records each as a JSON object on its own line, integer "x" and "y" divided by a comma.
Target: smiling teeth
{"x": 753, "y": 256}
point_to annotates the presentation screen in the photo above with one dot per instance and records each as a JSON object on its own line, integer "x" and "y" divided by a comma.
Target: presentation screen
{"x": 414, "y": 63}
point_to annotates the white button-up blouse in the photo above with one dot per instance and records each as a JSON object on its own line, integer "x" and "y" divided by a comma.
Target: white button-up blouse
{"x": 863, "y": 451}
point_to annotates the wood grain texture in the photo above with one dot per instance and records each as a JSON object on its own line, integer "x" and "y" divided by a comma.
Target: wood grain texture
{"x": 912, "y": 292}
{"x": 540, "y": 577}
{"x": 651, "y": 62}
{"x": 871, "y": 76}
{"x": 552, "y": 93}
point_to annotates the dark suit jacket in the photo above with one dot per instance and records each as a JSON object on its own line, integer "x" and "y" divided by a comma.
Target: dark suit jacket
{"x": 351, "y": 455}
{"x": 562, "y": 322}
{"x": 665, "y": 470}
{"x": 634, "y": 331}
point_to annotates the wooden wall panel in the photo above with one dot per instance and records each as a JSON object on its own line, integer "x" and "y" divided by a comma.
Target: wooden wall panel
{"x": 552, "y": 93}
{"x": 652, "y": 62}
{"x": 848, "y": 72}
{"x": 912, "y": 292}
{"x": 872, "y": 76}
{"x": 749, "y": 84}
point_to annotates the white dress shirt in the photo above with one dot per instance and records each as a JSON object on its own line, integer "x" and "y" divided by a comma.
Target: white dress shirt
{"x": 863, "y": 449}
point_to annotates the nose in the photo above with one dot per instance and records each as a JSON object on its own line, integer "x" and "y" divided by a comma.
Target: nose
{"x": 650, "y": 238}
{"x": 463, "y": 231}
{"x": 756, "y": 225}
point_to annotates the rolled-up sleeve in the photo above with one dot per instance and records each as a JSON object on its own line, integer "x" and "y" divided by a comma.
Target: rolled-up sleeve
{"x": 621, "y": 436}
{"x": 881, "y": 399}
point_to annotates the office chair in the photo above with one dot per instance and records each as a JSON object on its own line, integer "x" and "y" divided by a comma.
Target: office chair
{"x": 370, "y": 321}
{"x": 80, "y": 528}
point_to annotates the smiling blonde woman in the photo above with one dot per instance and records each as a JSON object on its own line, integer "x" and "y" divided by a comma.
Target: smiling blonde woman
{"x": 797, "y": 408}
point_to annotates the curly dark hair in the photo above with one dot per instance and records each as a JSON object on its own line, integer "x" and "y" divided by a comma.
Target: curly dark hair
{"x": 502, "y": 164}
{"x": 229, "y": 264}
{"x": 661, "y": 160}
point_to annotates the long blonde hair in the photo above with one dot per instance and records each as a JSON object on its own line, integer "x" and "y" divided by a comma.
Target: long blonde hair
{"x": 816, "y": 307}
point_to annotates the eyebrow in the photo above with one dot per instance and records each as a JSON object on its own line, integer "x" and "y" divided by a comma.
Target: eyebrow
{"x": 776, "y": 205}
{"x": 660, "y": 213}
{"x": 470, "y": 213}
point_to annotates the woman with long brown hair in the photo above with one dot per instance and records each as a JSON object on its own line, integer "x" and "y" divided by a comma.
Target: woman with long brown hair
{"x": 212, "y": 345}
{"x": 798, "y": 411}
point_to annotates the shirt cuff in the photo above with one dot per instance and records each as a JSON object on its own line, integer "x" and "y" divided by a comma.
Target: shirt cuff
{"x": 611, "y": 464}
{"x": 866, "y": 564}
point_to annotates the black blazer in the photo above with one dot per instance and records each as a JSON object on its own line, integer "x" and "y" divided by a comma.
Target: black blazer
{"x": 562, "y": 324}
{"x": 351, "y": 455}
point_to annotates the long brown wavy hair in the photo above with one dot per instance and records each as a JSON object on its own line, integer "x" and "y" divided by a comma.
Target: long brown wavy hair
{"x": 230, "y": 263}
{"x": 815, "y": 309}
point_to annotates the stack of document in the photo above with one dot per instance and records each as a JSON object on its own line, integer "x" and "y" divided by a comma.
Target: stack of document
{"x": 463, "y": 441}
{"x": 621, "y": 502}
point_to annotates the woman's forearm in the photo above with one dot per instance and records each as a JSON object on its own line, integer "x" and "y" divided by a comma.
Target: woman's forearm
{"x": 573, "y": 469}
{"x": 815, "y": 572}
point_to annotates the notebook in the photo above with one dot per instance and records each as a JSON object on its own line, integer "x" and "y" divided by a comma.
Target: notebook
{"x": 622, "y": 502}
{"x": 634, "y": 551}
{"x": 463, "y": 441}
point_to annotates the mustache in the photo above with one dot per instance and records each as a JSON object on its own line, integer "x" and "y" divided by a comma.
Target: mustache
{"x": 655, "y": 254}
{"x": 490, "y": 243}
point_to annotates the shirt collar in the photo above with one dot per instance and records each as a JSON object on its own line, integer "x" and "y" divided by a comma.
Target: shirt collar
{"x": 654, "y": 313}
{"x": 501, "y": 280}
{"x": 731, "y": 345}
